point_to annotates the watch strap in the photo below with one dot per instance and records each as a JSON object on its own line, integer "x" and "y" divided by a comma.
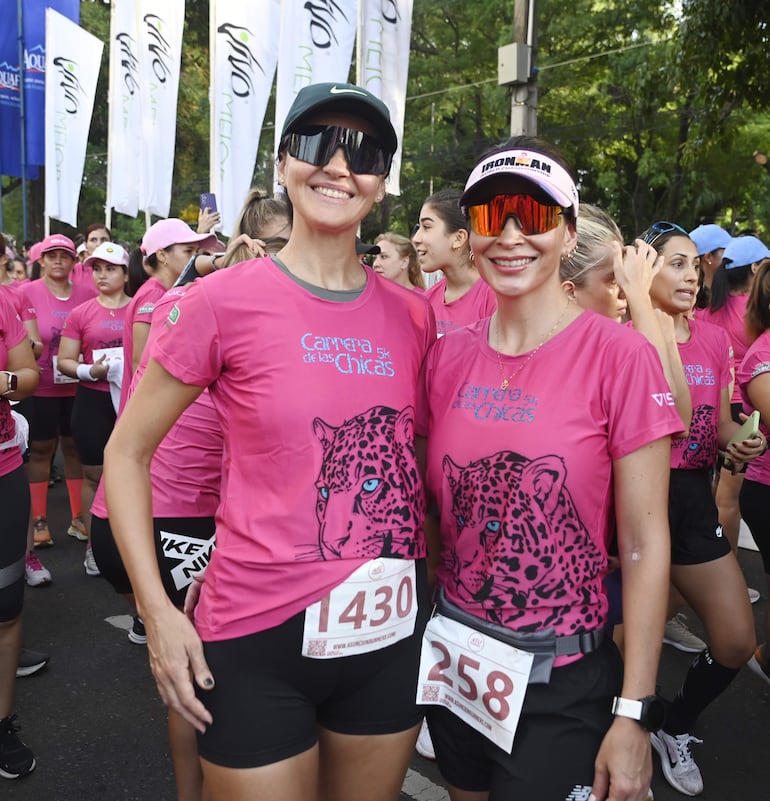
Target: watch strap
{"x": 627, "y": 708}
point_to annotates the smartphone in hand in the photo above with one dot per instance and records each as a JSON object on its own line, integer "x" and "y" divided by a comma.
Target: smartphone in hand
{"x": 208, "y": 200}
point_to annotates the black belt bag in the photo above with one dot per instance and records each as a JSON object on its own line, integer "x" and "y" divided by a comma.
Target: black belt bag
{"x": 544, "y": 645}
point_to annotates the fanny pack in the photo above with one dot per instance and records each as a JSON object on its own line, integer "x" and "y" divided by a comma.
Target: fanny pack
{"x": 544, "y": 645}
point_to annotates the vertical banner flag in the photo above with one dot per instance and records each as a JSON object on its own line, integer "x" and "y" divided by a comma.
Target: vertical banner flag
{"x": 125, "y": 114}
{"x": 316, "y": 46}
{"x": 242, "y": 70}
{"x": 72, "y": 62}
{"x": 33, "y": 75}
{"x": 160, "y": 25}
{"x": 383, "y": 63}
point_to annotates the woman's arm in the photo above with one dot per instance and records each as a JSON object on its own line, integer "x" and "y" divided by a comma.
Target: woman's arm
{"x": 623, "y": 765}
{"x": 634, "y": 273}
{"x": 70, "y": 364}
{"x": 35, "y": 340}
{"x": 174, "y": 647}
{"x": 21, "y": 362}
{"x": 140, "y": 333}
{"x": 740, "y": 452}
{"x": 431, "y": 527}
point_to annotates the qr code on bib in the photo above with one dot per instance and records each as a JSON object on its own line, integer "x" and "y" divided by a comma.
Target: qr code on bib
{"x": 316, "y": 648}
{"x": 430, "y": 695}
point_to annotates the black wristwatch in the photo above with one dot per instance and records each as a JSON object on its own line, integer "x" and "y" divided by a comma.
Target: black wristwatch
{"x": 13, "y": 382}
{"x": 649, "y": 712}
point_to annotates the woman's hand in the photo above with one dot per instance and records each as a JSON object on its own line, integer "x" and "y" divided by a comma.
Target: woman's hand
{"x": 636, "y": 270}
{"x": 176, "y": 658}
{"x": 623, "y": 767}
{"x": 100, "y": 368}
{"x": 208, "y": 220}
{"x": 193, "y": 594}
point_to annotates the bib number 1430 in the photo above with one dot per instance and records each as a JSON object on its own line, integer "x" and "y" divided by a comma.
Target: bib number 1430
{"x": 479, "y": 679}
{"x": 375, "y": 607}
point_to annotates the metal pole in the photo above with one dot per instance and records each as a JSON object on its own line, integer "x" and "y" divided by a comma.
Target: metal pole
{"x": 524, "y": 94}
{"x": 22, "y": 120}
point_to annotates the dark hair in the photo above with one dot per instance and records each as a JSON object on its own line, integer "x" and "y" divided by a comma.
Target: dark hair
{"x": 758, "y": 305}
{"x": 446, "y": 204}
{"x": 97, "y": 227}
{"x": 724, "y": 282}
{"x": 137, "y": 275}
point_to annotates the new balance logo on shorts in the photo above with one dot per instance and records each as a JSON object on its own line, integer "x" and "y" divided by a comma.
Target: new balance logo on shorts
{"x": 579, "y": 793}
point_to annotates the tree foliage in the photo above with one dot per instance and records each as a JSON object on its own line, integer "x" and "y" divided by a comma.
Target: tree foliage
{"x": 659, "y": 105}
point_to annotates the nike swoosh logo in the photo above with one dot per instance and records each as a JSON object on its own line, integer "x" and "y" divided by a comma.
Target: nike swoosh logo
{"x": 336, "y": 91}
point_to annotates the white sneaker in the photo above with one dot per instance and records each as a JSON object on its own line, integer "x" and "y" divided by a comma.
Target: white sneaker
{"x": 424, "y": 745}
{"x": 677, "y": 634}
{"x": 89, "y": 563}
{"x": 679, "y": 767}
{"x": 35, "y": 571}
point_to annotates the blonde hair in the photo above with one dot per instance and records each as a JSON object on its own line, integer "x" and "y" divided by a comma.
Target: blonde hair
{"x": 405, "y": 250}
{"x": 257, "y": 212}
{"x": 596, "y": 232}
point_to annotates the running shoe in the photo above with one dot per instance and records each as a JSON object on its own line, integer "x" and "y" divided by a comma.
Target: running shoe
{"x": 36, "y": 573}
{"x": 42, "y": 535}
{"x": 758, "y": 665}
{"x": 77, "y": 530}
{"x": 30, "y": 662}
{"x": 679, "y": 767}
{"x": 15, "y": 758}
{"x": 137, "y": 634}
{"x": 424, "y": 745}
{"x": 677, "y": 634}
{"x": 89, "y": 563}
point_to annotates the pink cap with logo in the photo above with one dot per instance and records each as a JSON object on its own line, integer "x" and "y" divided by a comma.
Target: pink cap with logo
{"x": 57, "y": 242}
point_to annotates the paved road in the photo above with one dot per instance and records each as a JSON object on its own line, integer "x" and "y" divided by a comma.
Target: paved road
{"x": 97, "y": 727}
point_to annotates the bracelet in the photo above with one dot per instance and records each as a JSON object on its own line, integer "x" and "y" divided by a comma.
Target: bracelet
{"x": 84, "y": 372}
{"x": 214, "y": 258}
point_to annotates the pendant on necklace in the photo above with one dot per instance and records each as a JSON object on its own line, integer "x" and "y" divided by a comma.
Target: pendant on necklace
{"x": 504, "y": 385}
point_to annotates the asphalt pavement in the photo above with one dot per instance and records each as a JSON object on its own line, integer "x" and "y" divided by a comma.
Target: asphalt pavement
{"x": 97, "y": 726}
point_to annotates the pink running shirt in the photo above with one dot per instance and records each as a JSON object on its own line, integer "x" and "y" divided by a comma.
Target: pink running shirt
{"x": 756, "y": 362}
{"x": 523, "y": 477}
{"x": 12, "y": 333}
{"x": 316, "y": 401}
{"x": 706, "y": 361}
{"x": 51, "y": 313}
{"x": 95, "y": 327}
{"x": 478, "y": 302}
{"x": 731, "y": 317}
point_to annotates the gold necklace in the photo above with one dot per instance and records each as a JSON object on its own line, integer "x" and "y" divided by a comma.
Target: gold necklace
{"x": 507, "y": 381}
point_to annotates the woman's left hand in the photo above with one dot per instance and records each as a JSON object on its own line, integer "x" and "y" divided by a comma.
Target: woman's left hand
{"x": 748, "y": 450}
{"x": 623, "y": 767}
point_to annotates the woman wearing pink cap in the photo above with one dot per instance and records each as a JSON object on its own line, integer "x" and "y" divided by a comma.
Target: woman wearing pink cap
{"x": 49, "y": 411}
{"x": 91, "y": 346}
{"x": 547, "y": 431}
{"x": 304, "y": 650}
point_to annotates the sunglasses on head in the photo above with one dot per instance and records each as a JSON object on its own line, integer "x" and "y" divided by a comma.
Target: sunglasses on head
{"x": 317, "y": 144}
{"x": 658, "y": 229}
{"x": 532, "y": 217}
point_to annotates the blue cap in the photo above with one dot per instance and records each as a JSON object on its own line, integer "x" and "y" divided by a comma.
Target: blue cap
{"x": 744, "y": 250}
{"x": 709, "y": 237}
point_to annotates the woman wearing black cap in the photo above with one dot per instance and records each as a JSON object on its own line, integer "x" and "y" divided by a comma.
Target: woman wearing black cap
{"x": 313, "y": 605}
{"x": 543, "y": 429}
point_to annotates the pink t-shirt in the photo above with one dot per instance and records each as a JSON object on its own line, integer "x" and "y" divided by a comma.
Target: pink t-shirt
{"x": 523, "y": 477}
{"x": 51, "y": 314}
{"x": 756, "y": 362}
{"x": 186, "y": 469}
{"x": 12, "y": 332}
{"x": 14, "y": 295}
{"x": 478, "y": 302}
{"x": 316, "y": 400}
{"x": 731, "y": 317}
{"x": 139, "y": 310}
{"x": 82, "y": 275}
{"x": 706, "y": 361}
{"x": 95, "y": 327}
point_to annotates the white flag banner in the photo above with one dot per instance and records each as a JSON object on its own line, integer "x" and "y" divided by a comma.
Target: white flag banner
{"x": 72, "y": 60}
{"x": 383, "y": 63}
{"x": 125, "y": 114}
{"x": 316, "y": 46}
{"x": 242, "y": 71}
{"x": 160, "y": 25}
